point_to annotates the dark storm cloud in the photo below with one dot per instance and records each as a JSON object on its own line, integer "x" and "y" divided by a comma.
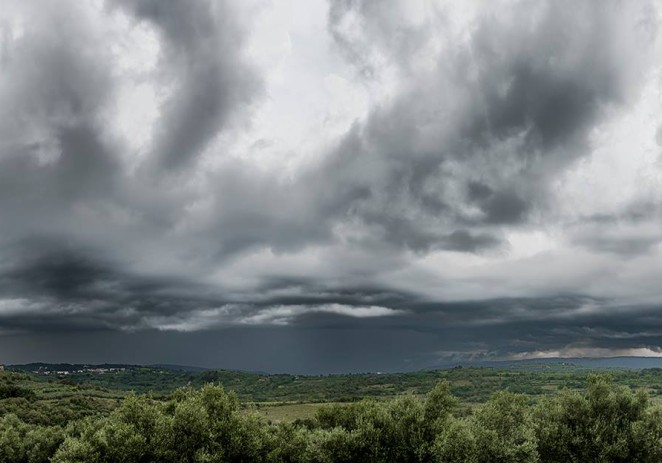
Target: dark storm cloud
{"x": 266, "y": 349}
{"x": 338, "y": 346}
{"x": 201, "y": 57}
{"x": 312, "y": 291}
{"x": 47, "y": 285}
{"x": 54, "y": 154}
{"x": 497, "y": 118}
{"x": 71, "y": 211}
{"x": 53, "y": 286}
{"x": 464, "y": 151}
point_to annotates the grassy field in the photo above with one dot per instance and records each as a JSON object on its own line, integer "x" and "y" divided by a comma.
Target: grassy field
{"x": 470, "y": 384}
{"x": 56, "y": 398}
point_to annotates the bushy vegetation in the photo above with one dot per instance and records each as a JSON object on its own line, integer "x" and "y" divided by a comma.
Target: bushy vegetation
{"x": 470, "y": 385}
{"x": 603, "y": 423}
{"x": 54, "y": 402}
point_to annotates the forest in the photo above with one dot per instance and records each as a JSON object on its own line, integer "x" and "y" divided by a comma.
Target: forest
{"x": 601, "y": 421}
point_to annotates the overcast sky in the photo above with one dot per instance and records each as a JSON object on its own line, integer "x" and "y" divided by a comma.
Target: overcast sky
{"x": 326, "y": 186}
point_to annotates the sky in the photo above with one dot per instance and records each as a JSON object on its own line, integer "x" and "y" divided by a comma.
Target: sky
{"x": 325, "y": 186}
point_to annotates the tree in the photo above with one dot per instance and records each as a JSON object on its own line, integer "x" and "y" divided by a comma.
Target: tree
{"x": 603, "y": 425}
{"x": 503, "y": 430}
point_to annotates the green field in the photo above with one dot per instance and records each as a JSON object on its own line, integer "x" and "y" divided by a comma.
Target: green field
{"x": 291, "y": 397}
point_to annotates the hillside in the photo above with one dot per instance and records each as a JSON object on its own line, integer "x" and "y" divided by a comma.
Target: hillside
{"x": 470, "y": 384}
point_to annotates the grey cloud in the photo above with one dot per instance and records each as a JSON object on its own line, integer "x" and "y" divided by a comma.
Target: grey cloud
{"x": 69, "y": 291}
{"x": 202, "y": 58}
{"x": 517, "y": 328}
{"x": 384, "y": 32}
{"x": 624, "y": 245}
{"x": 46, "y": 285}
{"x": 504, "y": 207}
{"x": 278, "y": 350}
{"x": 464, "y": 152}
{"x": 62, "y": 178}
{"x": 54, "y": 154}
{"x": 501, "y": 135}
{"x": 629, "y": 232}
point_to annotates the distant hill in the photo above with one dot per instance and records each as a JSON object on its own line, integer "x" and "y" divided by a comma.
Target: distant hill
{"x": 606, "y": 363}
{"x": 473, "y": 383}
{"x": 166, "y": 366}
{"x": 631, "y": 363}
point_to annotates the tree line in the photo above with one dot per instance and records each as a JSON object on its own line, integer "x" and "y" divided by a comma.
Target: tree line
{"x": 605, "y": 423}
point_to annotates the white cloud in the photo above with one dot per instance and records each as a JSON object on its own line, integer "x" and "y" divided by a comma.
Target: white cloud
{"x": 233, "y": 315}
{"x": 595, "y": 352}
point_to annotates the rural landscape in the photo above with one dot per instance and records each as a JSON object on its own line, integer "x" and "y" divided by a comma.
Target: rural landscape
{"x": 529, "y": 412}
{"x": 330, "y": 231}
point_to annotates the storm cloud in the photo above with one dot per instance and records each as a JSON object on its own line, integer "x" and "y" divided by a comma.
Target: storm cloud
{"x": 396, "y": 183}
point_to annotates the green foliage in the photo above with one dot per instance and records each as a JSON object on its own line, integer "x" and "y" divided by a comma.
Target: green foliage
{"x": 204, "y": 425}
{"x": 470, "y": 385}
{"x": 10, "y": 390}
{"x": 51, "y": 402}
{"x": 456, "y": 443}
{"x": 22, "y": 442}
{"x": 503, "y": 432}
{"x": 606, "y": 423}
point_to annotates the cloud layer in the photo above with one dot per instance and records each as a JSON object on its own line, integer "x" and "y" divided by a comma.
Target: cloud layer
{"x": 459, "y": 180}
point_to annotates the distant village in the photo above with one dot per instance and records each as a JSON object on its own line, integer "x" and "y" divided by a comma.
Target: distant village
{"x": 96, "y": 370}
